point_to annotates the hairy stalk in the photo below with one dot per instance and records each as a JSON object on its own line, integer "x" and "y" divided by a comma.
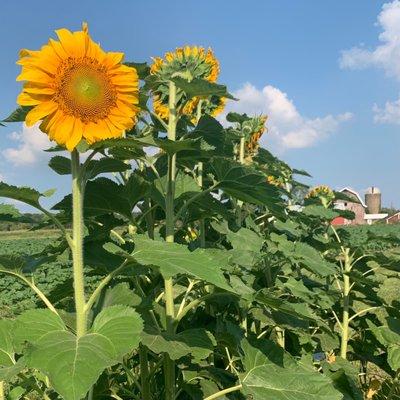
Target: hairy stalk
{"x": 77, "y": 245}
{"x": 169, "y": 365}
{"x": 239, "y": 203}
{"x": 346, "y": 305}
{"x": 200, "y": 182}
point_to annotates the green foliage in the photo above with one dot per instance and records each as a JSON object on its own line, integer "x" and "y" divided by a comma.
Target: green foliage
{"x": 201, "y": 276}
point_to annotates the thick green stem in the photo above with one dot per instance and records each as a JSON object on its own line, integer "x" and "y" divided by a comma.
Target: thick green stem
{"x": 2, "y": 391}
{"x": 346, "y": 305}
{"x": 144, "y": 373}
{"x": 239, "y": 203}
{"x": 202, "y": 224}
{"x": 77, "y": 245}
{"x": 169, "y": 365}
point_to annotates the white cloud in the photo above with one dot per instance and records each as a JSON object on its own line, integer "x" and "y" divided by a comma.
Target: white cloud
{"x": 387, "y": 54}
{"x": 286, "y": 126}
{"x": 30, "y": 143}
{"x": 389, "y": 114}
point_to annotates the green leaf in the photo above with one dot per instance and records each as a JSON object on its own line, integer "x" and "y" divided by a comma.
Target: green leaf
{"x": 201, "y": 87}
{"x": 128, "y": 142}
{"x": 142, "y": 69}
{"x": 61, "y": 165}
{"x": 273, "y": 375}
{"x": 33, "y": 324}
{"x": 104, "y": 165}
{"x": 197, "y": 342}
{"x": 6, "y": 343}
{"x": 303, "y": 254}
{"x": 174, "y": 259}
{"x": 24, "y": 194}
{"x": 246, "y": 246}
{"x": 74, "y": 364}
{"x": 313, "y": 210}
{"x": 121, "y": 325}
{"x": 18, "y": 115}
{"x": 10, "y": 372}
{"x": 102, "y": 196}
{"x": 173, "y": 147}
{"x": 246, "y": 184}
{"x": 64, "y": 359}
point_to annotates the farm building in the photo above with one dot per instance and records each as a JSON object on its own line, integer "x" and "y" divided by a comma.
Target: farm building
{"x": 393, "y": 219}
{"x": 366, "y": 212}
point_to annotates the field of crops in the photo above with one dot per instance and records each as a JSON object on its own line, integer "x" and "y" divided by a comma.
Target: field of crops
{"x": 188, "y": 262}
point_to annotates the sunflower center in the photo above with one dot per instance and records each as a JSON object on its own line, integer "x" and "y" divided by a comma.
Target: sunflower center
{"x": 84, "y": 90}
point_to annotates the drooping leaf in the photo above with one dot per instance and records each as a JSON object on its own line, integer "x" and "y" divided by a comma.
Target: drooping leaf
{"x": 197, "y": 342}
{"x": 18, "y": 115}
{"x": 173, "y": 259}
{"x": 201, "y": 87}
{"x": 273, "y": 375}
{"x": 61, "y": 165}
{"x": 246, "y": 184}
{"x": 24, "y": 194}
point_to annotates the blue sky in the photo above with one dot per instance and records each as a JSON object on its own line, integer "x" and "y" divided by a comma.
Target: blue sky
{"x": 327, "y": 73}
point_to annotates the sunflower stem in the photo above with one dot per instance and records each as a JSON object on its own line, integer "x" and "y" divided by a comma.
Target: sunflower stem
{"x": 77, "y": 245}
{"x": 239, "y": 203}
{"x": 200, "y": 166}
{"x": 346, "y": 305}
{"x": 169, "y": 365}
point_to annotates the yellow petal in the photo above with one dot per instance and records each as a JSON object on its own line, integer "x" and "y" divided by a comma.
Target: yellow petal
{"x": 40, "y": 111}
{"x": 75, "y": 134}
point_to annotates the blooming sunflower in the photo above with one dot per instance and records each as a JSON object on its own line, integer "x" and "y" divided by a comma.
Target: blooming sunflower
{"x": 185, "y": 62}
{"x": 77, "y": 90}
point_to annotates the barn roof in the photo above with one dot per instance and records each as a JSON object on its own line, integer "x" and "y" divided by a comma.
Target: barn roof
{"x": 355, "y": 194}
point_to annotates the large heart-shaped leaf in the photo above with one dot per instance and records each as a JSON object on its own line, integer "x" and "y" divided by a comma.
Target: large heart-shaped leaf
{"x": 74, "y": 364}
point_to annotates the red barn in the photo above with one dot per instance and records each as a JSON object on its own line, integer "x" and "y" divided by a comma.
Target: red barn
{"x": 393, "y": 219}
{"x": 358, "y": 207}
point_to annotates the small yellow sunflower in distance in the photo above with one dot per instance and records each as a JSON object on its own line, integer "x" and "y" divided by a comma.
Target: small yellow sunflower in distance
{"x": 188, "y": 63}
{"x": 78, "y": 90}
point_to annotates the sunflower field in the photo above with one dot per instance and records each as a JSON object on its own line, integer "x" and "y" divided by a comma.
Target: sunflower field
{"x": 187, "y": 266}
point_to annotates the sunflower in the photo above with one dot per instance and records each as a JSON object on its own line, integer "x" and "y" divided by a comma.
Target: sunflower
{"x": 188, "y": 63}
{"x": 322, "y": 193}
{"x": 256, "y": 127}
{"x": 77, "y": 90}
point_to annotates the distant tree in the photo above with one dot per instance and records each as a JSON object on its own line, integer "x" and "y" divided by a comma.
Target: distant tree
{"x": 389, "y": 210}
